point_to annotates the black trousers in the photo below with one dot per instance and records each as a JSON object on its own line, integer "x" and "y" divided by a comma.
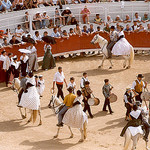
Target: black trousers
{"x": 138, "y": 98}
{"x": 60, "y": 92}
{"x": 128, "y": 109}
{"x": 8, "y": 73}
{"x": 87, "y": 106}
{"x": 107, "y": 103}
{"x": 147, "y": 127}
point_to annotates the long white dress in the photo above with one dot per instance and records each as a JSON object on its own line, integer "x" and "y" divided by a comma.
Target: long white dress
{"x": 75, "y": 117}
{"x": 30, "y": 99}
{"x": 122, "y": 47}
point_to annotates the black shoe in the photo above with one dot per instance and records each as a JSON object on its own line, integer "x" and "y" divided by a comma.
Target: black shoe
{"x": 91, "y": 116}
{"x": 59, "y": 125}
{"x": 105, "y": 110}
{"x": 145, "y": 139}
{"x": 111, "y": 112}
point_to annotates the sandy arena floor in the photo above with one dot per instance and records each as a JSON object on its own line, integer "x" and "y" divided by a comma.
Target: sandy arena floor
{"x": 103, "y": 130}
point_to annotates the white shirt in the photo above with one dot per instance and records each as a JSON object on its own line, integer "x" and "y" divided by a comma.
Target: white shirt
{"x": 135, "y": 114}
{"x": 59, "y": 77}
{"x": 35, "y": 38}
{"x": 134, "y": 84}
{"x": 120, "y": 33}
{"x": 25, "y": 58}
{"x": 16, "y": 64}
{"x": 33, "y": 49}
{"x": 2, "y": 58}
{"x": 19, "y": 31}
{"x": 72, "y": 84}
{"x": 126, "y": 99}
{"x": 7, "y": 63}
{"x": 137, "y": 19}
{"x": 83, "y": 80}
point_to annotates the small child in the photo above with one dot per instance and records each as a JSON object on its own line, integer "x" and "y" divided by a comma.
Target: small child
{"x": 41, "y": 85}
{"x": 72, "y": 84}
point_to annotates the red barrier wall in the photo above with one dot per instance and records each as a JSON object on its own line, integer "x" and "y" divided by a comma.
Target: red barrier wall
{"x": 75, "y": 42}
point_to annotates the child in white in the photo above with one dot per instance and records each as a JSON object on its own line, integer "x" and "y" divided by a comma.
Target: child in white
{"x": 72, "y": 84}
{"x": 41, "y": 85}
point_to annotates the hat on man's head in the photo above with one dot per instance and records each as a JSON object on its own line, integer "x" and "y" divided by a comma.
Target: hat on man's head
{"x": 112, "y": 27}
{"x": 37, "y": 12}
{"x": 15, "y": 57}
{"x": 140, "y": 76}
{"x": 67, "y": 8}
{"x": 40, "y": 76}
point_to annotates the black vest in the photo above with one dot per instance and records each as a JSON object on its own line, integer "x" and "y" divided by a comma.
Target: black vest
{"x": 129, "y": 97}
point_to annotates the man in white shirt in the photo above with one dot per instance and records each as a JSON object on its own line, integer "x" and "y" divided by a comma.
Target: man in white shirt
{"x": 7, "y": 67}
{"x": 59, "y": 79}
{"x": 137, "y": 17}
{"x": 37, "y": 36}
{"x": 19, "y": 31}
{"x": 55, "y": 33}
{"x": 137, "y": 87}
{"x": 3, "y": 56}
{"x": 83, "y": 80}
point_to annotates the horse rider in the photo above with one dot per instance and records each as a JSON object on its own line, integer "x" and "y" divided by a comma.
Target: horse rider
{"x": 135, "y": 119}
{"x": 106, "y": 92}
{"x": 68, "y": 103}
{"x": 145, "y": 117}
{"x": 137, "y": 87}
{"x": 113, "y": 38}
{"x": 128, "y": 99}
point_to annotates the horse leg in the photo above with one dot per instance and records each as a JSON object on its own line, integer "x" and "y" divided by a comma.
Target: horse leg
{"x": 135, "y": 140}
{"x": 23, "y": 117}
{"x": 127, "y": 139}
{"x": 57, "y": 132}
{"x": 85, "y": 129}
{"x": 110, "y": 63}
{"x": 127, "y": 58}
{"x": 40, "y": 118}
{"x": 147, "y": 146}
{"x": 25, "y": 112}
{"x": 71, "y": 136}
{"x": 82, "y": 135}
{"x": 31, "y": 112}
{"x": 103, "y": 59}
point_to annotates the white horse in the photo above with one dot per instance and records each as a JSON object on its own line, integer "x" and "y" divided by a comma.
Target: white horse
{"x": 56, "y": 105}
{"x": 135, "y": 139}
{"x": 103, "y": 44}
{"x": 16, "y": 86}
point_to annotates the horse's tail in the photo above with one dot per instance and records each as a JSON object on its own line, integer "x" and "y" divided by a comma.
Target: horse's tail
{"x": 131, "y": 56}
{"x": 35, "y": 112}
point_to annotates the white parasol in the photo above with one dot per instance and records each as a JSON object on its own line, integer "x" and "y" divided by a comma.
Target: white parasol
{"x": 24, "y": 51}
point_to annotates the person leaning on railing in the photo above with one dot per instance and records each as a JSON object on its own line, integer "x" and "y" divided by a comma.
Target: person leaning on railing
{"x": 2, "y": 7}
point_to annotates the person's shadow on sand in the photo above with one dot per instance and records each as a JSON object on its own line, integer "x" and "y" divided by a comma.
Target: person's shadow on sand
{"x": 52, "y": 144}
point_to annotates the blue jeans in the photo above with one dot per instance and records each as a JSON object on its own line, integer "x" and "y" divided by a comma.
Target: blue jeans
{"x": 61, "y": 113}
{"x": 44, "y": 23}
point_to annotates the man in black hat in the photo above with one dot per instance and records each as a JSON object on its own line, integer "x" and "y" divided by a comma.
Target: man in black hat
{"x": 137, "y": 87}
{"x": 113, "y": 39}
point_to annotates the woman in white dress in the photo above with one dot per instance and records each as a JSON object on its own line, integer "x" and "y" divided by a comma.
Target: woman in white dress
{"x": 75, "y": 117}
{"x": 30, "y": 98}
{"x": 122, "y": 47}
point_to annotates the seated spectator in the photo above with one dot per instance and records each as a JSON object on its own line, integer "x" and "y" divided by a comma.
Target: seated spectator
{"x": 8, "y": 32}
{"x": 71, "y": 32}
{"x": 19, "y": 31}
{"x": 55, "y": 33}
{"x": 145, "y": 18}
{"x": 5, "y": 43}
{"x": 37, "y": 18}
{"x": 137, "y": 17}
{"x": 8, "y": 5}
{"x": 135, "y": 26}
{"x": 128, "y": 28}
{"x": 117, "y": 27}
{"x": 44, "y": 18}
{"x": 55, "y": 2}
{"x": 2, "y": 7}
{"x": 127, "y": 19}
{"x": 67, "y": 14}
{"x": 85, "y": 14}
{"x": 148, "y": 27}
{"x": 51, "y": 24}
{"x": 44, "y": 3}
{"x": 98, "y": 20}
{"x": 109, "y": 19}
{"x": 37, "y": 36}
{"x": 34, "y": 3}
{"x": 98, "y": 30}
{"x": 68, "y": 2}
{"x": 59, "y": 16}
{"x": 2, "y": 35}
{"x": 45, "y": 33}
{"x": 140, "y": 28}
{"x": 91, "y": 29}
{"x": 73, "y": 21}
{"x": 14, "y": 41}
{"x": 85, "y": 30}
{"x": 117, "y": 19}
{"x": 107, "y": 28}
{"x": 77, "y": 30}
{"x": 76, "y": 2}
{"x": 18, "y": 5}
{"x": 65, "y": 34}
{"x": 59, "y": 30}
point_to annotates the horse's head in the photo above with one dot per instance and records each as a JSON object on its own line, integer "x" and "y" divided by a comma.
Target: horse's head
{"x": 95, "y": 39}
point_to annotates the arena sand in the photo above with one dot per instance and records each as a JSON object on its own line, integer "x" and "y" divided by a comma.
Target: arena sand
{"x": 103, "y": 131}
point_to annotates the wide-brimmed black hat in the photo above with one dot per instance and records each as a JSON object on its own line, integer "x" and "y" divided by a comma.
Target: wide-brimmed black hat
{"x": 140, "y": 76}
{"x": 49, "y": 39}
